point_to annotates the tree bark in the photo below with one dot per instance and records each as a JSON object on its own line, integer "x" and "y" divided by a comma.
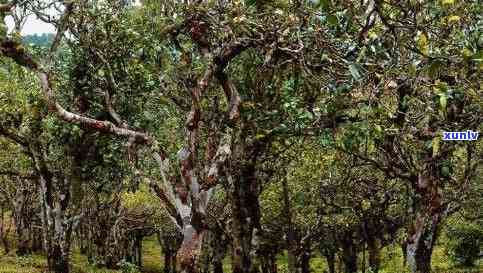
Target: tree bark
{"x": 217, "y": 267}
{"x": 4, "y": 231}
{"x": 330, "y": 257}
{"x": 245, "y": 221}
{"x": 421, "y": 242}
{"x": 57, "y": 228}
{"x": 373, "y": 246}
{"x": 292, "y": 244}
{"x": 23, "y": 240}
{"x": 36, "y": 239}
{"x": 169, "y": 262}
{"x": 404, "y": 253}
{"x": 349, "y": 253}
{"x": 23, "y": 215}
{"x": 220, "y": 245}
{"x": 58, "y": 258}
{"x": 304, "y": 261}
{"x": 170, "y": 242}
{"x": 424, "y": 231}
{"x": 189, "y": 252}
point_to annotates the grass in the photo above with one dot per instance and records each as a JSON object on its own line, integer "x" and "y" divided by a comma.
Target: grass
{"x": 152, "y": 262}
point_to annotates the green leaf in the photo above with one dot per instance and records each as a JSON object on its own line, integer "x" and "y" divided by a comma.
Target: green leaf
{"x": 445, "y": 172}
{"x": 332, "y": 20}
{"x": 250, "y": 2}
{"x": 259, "y": 136}
{"x": 423, "y": 43}
{"x": 443, "y": 101}
{"x": 324, "y": 4}
{"x": 436, "y": 145}
{"x": 354, "y": 72}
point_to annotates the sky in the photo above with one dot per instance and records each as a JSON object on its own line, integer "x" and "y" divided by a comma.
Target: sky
{"x": 35, "y": 26}
{"x": 32, "y": 26}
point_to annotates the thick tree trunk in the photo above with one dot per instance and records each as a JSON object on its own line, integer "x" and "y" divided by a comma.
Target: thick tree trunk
{"x": 56, "y": 229}
{"x": 330, "y": 257}
{"x": 133, "y": 253}
{"x": 304, "y": 262}
{"x": 4, "y": 232}
{"x": 208, "y": 252}
{"x": 245, "y": 191}
{"x": 170, "y": 243}
{"x": 424, "y": 231}
{"x": 245, "y": 222}
{"x": 299, "y": 258}
{"x": 328, "y": 248}
{"x": 36, "y": 239}
{"x": 373, "y": 246}
{"x": 23, "y": 216}
{"x": 138, "y": 246}
{"x": 23, "y": 240}
{"x": 58, "y": 259}
{"x": 217, "y": 267}
{"x": 421, "y": 242}
{"x": 349, "y": 254}
{"x": 268, "y": 255}
{"x": 169, "y": 262}
{"x": 190, "y": 250}
{"x": 220, "y": 246}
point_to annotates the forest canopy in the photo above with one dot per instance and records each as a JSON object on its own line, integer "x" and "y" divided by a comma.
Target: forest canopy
{"x": 241, "y": 136}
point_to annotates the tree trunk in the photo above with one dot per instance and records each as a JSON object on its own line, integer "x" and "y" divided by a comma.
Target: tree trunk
{"x": 36, "y": 239}
{"x": 245, "y": 221}
{"x": 373, "y": 247}
{"x": 421, "y": 242}
{"x": 138, "y": 243}
{"x": 217, "y": 267}
{"x": 58, "y": 259}
{"x": 330, "y": 257}
{"x": 23, "y": 240}
{"x": 245, "y": 191}
{"x": 268, "y": 255}
{"x": 220, "y": 244}
{"x": 404, "y": 253}
{"x": 292, "y": 243}
{"x": 4, "y": 232}
{"x": 349, "y": 254}
{"x": 56, "y": 229}
{"x": 207, "y": 253}
{"x": 300, "y": 258}
{"x": 23, "y": 216}
{"x": 169, "y": 262}
{"x": 423, "y": 233}
{"x": 170, "y": 243}
{"x": 304, "y": 262}
{"x": 133, "y": 252}
{"x": 190, "y": 250}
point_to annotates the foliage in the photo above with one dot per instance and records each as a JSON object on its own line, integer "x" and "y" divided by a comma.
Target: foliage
{"x": 464, "y": 242}
{"x": 127, "y": 267}
{"x": 332, "y": 113}
{"x": 43, "y": 40}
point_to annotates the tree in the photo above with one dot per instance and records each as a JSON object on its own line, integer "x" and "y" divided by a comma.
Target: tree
{"x": 206, "y": 92}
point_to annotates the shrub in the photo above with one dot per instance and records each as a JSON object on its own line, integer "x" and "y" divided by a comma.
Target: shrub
{"x": 464, "y": 244}
{"x": 127, "y": 267}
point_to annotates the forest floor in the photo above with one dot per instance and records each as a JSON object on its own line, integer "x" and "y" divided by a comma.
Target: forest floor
{"x": 152, "y": 262}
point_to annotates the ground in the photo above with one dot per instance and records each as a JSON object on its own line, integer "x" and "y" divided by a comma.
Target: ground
{"x": 153, "y": 262}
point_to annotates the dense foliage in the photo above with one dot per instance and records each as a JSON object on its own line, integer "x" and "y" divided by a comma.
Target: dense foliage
{"x": 250, "y": 136}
